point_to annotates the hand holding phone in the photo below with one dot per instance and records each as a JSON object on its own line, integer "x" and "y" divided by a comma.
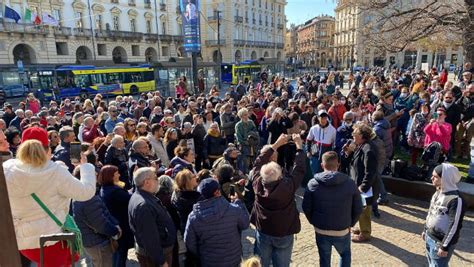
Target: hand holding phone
{"x": 75, "y": 152}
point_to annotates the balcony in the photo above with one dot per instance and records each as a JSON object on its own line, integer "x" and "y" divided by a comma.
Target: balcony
{"x": 12, "y": 27}
{"x": 280, "y": 45}
{"x": 162, "y": 7}
{"x": 178, "y": 38}
{"x": 280, "y": 26}
{"x": 125, "y": 35}
{"x": 81, "y": 32}
{"x": 214, "y": 42}
{"x": 62, "y": 31}
{"x": 152, "y": 37}
{"x": 166, "y": 38}
{"x": 100, "y": 33}
{"x": 239, "y": 19}
{"x": 239, "y": 42}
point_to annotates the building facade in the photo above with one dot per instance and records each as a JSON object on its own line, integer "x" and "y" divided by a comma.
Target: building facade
{"x": 291, "y": 38}
{"x": 315, "y": 42}
{"x": 249, "y": 30}
{"x": 118, "y": 31}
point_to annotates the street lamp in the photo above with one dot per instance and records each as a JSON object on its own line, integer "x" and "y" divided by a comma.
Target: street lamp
{"x": 413, "y": 60}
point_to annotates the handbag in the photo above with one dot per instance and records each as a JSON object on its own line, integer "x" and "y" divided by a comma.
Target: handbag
{"x": 69, "y": 226}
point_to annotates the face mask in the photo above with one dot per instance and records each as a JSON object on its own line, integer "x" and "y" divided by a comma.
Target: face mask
{"x": 403, "y": 95}
{"x": 447, "y": 104}
{"x": 424, "y": 113}
{"x": 348, "y": 124}
{"x": 343, "y": 102}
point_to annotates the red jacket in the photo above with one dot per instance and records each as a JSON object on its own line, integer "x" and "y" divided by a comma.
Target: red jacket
{"x": 337, "y": 114}
{"x": 89, "y": 134}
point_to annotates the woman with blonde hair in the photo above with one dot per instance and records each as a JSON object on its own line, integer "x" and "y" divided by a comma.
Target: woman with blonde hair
{"x": 33, "y": 172}
{"x": 88, "y": 107}
{"x": 130, "y": 129}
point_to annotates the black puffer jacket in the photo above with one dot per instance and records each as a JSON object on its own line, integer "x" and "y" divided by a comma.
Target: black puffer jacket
{"x": 183, "y": 202}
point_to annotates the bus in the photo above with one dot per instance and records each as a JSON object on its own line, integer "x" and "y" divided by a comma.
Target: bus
{"x": 245, "y": 71}
{"x": 84, "y": 81}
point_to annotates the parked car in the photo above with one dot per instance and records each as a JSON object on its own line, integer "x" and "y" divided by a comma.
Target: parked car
{"x": 15, "y": 90}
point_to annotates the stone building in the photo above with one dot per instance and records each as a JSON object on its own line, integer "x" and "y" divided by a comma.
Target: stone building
{"x": 314, "y": 47}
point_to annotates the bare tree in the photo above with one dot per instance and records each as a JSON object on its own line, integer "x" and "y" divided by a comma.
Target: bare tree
{"x": 394, "y": 25}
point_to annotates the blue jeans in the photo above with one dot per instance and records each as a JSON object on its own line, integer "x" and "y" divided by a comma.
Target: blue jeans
{"x": 120, "y": 257}
{"x": 431, "y": 253}
{"x": 315, "y": 164}
{"x": 342, "y": 245}
{"x": 273, "y": 250}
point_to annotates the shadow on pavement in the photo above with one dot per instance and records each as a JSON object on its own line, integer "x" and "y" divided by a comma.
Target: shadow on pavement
{"x": 407, "y": 257}
{"x": 396, "y": 222}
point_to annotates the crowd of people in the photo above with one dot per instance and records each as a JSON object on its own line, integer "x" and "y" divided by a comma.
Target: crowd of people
{"x": 204, "y": 167}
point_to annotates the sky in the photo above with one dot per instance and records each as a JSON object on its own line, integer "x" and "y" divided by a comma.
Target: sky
{"x": 299, "y": 11}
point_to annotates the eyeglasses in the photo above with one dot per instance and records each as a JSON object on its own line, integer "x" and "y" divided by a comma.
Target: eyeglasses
{"x": 132, "y": 125}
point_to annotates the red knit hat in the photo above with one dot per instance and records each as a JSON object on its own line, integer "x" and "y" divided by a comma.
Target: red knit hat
{"x": 36, "y": 133}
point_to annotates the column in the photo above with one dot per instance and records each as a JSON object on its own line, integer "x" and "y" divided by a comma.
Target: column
{"x": 418, "y": 58}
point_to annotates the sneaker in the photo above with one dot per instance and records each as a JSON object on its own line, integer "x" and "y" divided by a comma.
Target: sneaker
{"x": 360, "y": 238}
{"x": 376, "y": 214}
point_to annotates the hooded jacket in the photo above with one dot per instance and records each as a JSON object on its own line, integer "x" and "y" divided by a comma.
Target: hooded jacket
{"x": 213, "y": 231}
{"x": 55, "y": 186}
{"x": 382, "y": 129}
{"x": 332, "y": 201}
{"x": 447, "y": 208}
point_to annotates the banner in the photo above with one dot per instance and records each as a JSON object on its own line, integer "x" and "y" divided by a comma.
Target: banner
{"x": 190, "y": 11}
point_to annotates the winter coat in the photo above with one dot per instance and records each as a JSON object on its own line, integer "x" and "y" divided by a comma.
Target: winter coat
{"x": 183, "y": 202}
{"x": 332, "y": 201}
{"x": 242, "y": 131}
{"x": 62, "y": 153}
{"x": 151, "y": 225}
{"x": 228, "y": 121}
{"x": 213, "y": 146}
{"x": 382, "y": 129}
{"x": 416, "y": 133}
{"x": 136, "y": 160}
{"x": 213, "y": 231}
{"x": 198, "y": 133}
{"x": 159, "y": 150}
{"x": 88, "y": 135}
{"x": 337, "y": 113}
{"x": 364, "y": 169}
{"x": 274, "y": 212}
{"x": 118, "y": 158}
{"x": 277, "y": 128}
{"x": 94, "y": 220}
{"x": 117, "y": 199}
{"x": 54, "y": 186}
{"x": 436, "y": 132}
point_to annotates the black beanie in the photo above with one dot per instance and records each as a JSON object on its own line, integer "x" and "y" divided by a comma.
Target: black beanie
{"x": 439, "y": 170}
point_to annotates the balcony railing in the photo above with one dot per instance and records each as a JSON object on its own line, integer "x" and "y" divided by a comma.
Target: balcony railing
{"x": 178, "y": 38}
{"x": 82, "y": 32}
{"x": 280, "y": 26}
{"x": 280, "y": 45}
{"x": 151, "y": 37}
{"x": 125, "y": 35}
{"x": 163, "y": 7}
{"x": 214, "y": 42}
{"x": 239, "y": 19}
{"x": 99, "y": 33}
{"x": 166, "y": 38}
{"x": 62, "y": 31}
{"x": 25, "y": 28}
{"x": 239, "y": 42}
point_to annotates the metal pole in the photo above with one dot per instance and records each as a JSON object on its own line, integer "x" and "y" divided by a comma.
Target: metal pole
{"x": 92, "y": 29}
{"x": 158, "y": 53}
{"x": 219, "y": 54}
{"x": 194, "y": 72}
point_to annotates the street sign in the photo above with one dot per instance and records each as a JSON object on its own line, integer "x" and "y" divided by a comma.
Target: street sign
{"x": 21, "y": 68}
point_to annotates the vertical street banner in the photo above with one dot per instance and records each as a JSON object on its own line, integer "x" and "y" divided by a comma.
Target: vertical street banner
{"x": 190, "y": 11}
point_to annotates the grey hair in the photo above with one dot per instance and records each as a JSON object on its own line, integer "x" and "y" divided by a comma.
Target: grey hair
{"x": 140, "y": 175}
{"x": 19, "y": 111}
{"x": 116, "y": 139}
{"x": 348, "y": 115}
{"x": 242, "y": 111}
{"x": 165, "y": 184}
{"x": 64, "y": 132}
{"x": 137, "y": 143}
{"x": 270, "y": 172}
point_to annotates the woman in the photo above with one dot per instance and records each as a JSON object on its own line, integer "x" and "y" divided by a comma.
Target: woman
{"x": 54, "y": 141}
{"x": 438, "y": 130}
{"x": 33, "y": 172}
{"x": 130, "y": 129}
{"x": 183, "y": 199}
{"x": 14, "y": 139}
{"x": 171, "y": 141}
{"x": 88, "y": 107}
{"x": 214, "y": 145}
{"x": 184, "y": 159}
{"x": 33, "y": 103}
{"x": 116, "y": 199}
{"x": 416, "y": 134}
{"x": 142, "y": 129}
{"x": 208, "y": 120}
{"x": 362, "y": 154}
{"x": 98, "y": 228}
{"x": 102, "y": 119}
{"x": 247, "y": 138}
{"x": 77, "y": 120}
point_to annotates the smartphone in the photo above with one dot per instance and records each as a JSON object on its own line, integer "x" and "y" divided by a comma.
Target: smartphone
{"x": 232, "y": 190}
{"x": 75, "y": 152}
{"x": 435, "y": 115}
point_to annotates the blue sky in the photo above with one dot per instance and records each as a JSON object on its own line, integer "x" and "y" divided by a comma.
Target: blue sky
{"x": 299, "y": 11}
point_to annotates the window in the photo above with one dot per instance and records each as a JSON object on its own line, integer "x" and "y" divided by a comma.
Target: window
{"x": 79, "y": 22}
{"x": 98, "y": 22}
{"x": 133, "y": 25}
{"x": 165, "y": 51}
{"x": 101, "y": 49}
{"x": 116, "y": 23}
{"x": 131, "y": 2}
{"x": 163, "y": 28}
{"x": 135, "y": 50}
{"x": 61, "y": 49}
{"x": 57, "y": 15}
{"x": 148, "y": 26}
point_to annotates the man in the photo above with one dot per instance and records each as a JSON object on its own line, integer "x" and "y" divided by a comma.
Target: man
{"x": 116, "y": 155}
{"x": 241, "y": 90}
{"x": 445, "y": 215}
{"x": 320, "y": 139}
{"x": 138, "y": 111}
{"x": 139, "y": 157}
{"x": 343, "y": 135}
{"x": 158, "y": 147}
{"x": 150, "y": 222}
{"x": 113, "y": 119}
{"x": 274, "y": 212}
{"x": 8, "y": 115}
{"x": 228, "y": 121}
{"x": 91, "y": 130}
{"x": 19, "y": 116}
{"x": 124, "y": 112}
{"x": 336, "y": 112}
{"x": 332, "y": 223}
{"x": 62, "y": 152}
{"x": 213, "y": 231}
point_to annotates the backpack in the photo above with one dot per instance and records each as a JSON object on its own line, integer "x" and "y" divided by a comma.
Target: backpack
{"x": 414, "y": 173}
{"x": 433, "y": 154}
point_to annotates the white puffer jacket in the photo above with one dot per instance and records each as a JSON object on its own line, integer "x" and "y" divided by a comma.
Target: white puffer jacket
{"x": 55, "y": 186}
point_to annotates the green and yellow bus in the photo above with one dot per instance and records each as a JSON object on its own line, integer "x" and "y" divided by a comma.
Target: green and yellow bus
{"x": 245, "y": 71}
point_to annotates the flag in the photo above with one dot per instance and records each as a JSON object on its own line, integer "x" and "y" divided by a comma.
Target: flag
{"x": 11, "y": 14}
{"x": 49, "y": 20}
{"x": 27, "y": 17}
{"x": 37, "y": 19}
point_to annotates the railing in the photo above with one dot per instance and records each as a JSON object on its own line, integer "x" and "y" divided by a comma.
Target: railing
{"x": 214, "y": 42}
{"x": 62, "y": 31}
{"x": 131, "y": 3}
{"x": 239, "y": 19}
{"x": 280, "y": 45}
{"x": 82, "y": 32}
{"x": 25, "y": 28}
{"x": 178, "y": 38}
{"x": 163, "y": 7}
{"x": 100, "y": 33}
{"x": 239, "y": 42}
{"x": 166, "y": 38}
{"x": 151, "y": 37}
{"x": 125, "y": 35}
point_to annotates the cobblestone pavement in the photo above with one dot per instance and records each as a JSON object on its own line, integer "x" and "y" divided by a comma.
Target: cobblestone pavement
{"x": 396, "y": 239}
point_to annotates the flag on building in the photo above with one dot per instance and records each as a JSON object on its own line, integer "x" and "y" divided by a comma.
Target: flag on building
{"x": 37, "y": 20}
{"x": 11, "y": 14}
{"x": 49, "y": 20}
{"x": 27, "y": 17}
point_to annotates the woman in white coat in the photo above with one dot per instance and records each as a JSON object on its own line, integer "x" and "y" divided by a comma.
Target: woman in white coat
{"x": 33, "y": 172}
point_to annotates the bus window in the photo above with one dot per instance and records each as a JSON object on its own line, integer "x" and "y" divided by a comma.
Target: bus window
{"x": 65, "y": 79}
{"x": 82, "y": 80}
{"x": 46, "y": 82}
{"x": 132, "y": 77}
{"x": 112, "y": 78}
{"x": 96, "y": 79}
{"x": 148, "y": 76}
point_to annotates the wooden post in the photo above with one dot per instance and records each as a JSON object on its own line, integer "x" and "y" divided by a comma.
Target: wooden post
{"x": 9, "y": 254}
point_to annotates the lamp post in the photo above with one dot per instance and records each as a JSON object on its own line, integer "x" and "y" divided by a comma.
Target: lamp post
{"x": 412, "y": 59}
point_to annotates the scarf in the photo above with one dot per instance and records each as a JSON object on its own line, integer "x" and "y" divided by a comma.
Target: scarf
{"x": 213, "y": 133}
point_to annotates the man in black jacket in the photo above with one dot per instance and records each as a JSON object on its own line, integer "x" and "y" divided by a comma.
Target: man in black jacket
{"x": 154, "y": 230}
{"x": 332, "y": 204}
{"x": 139, "y": 157}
